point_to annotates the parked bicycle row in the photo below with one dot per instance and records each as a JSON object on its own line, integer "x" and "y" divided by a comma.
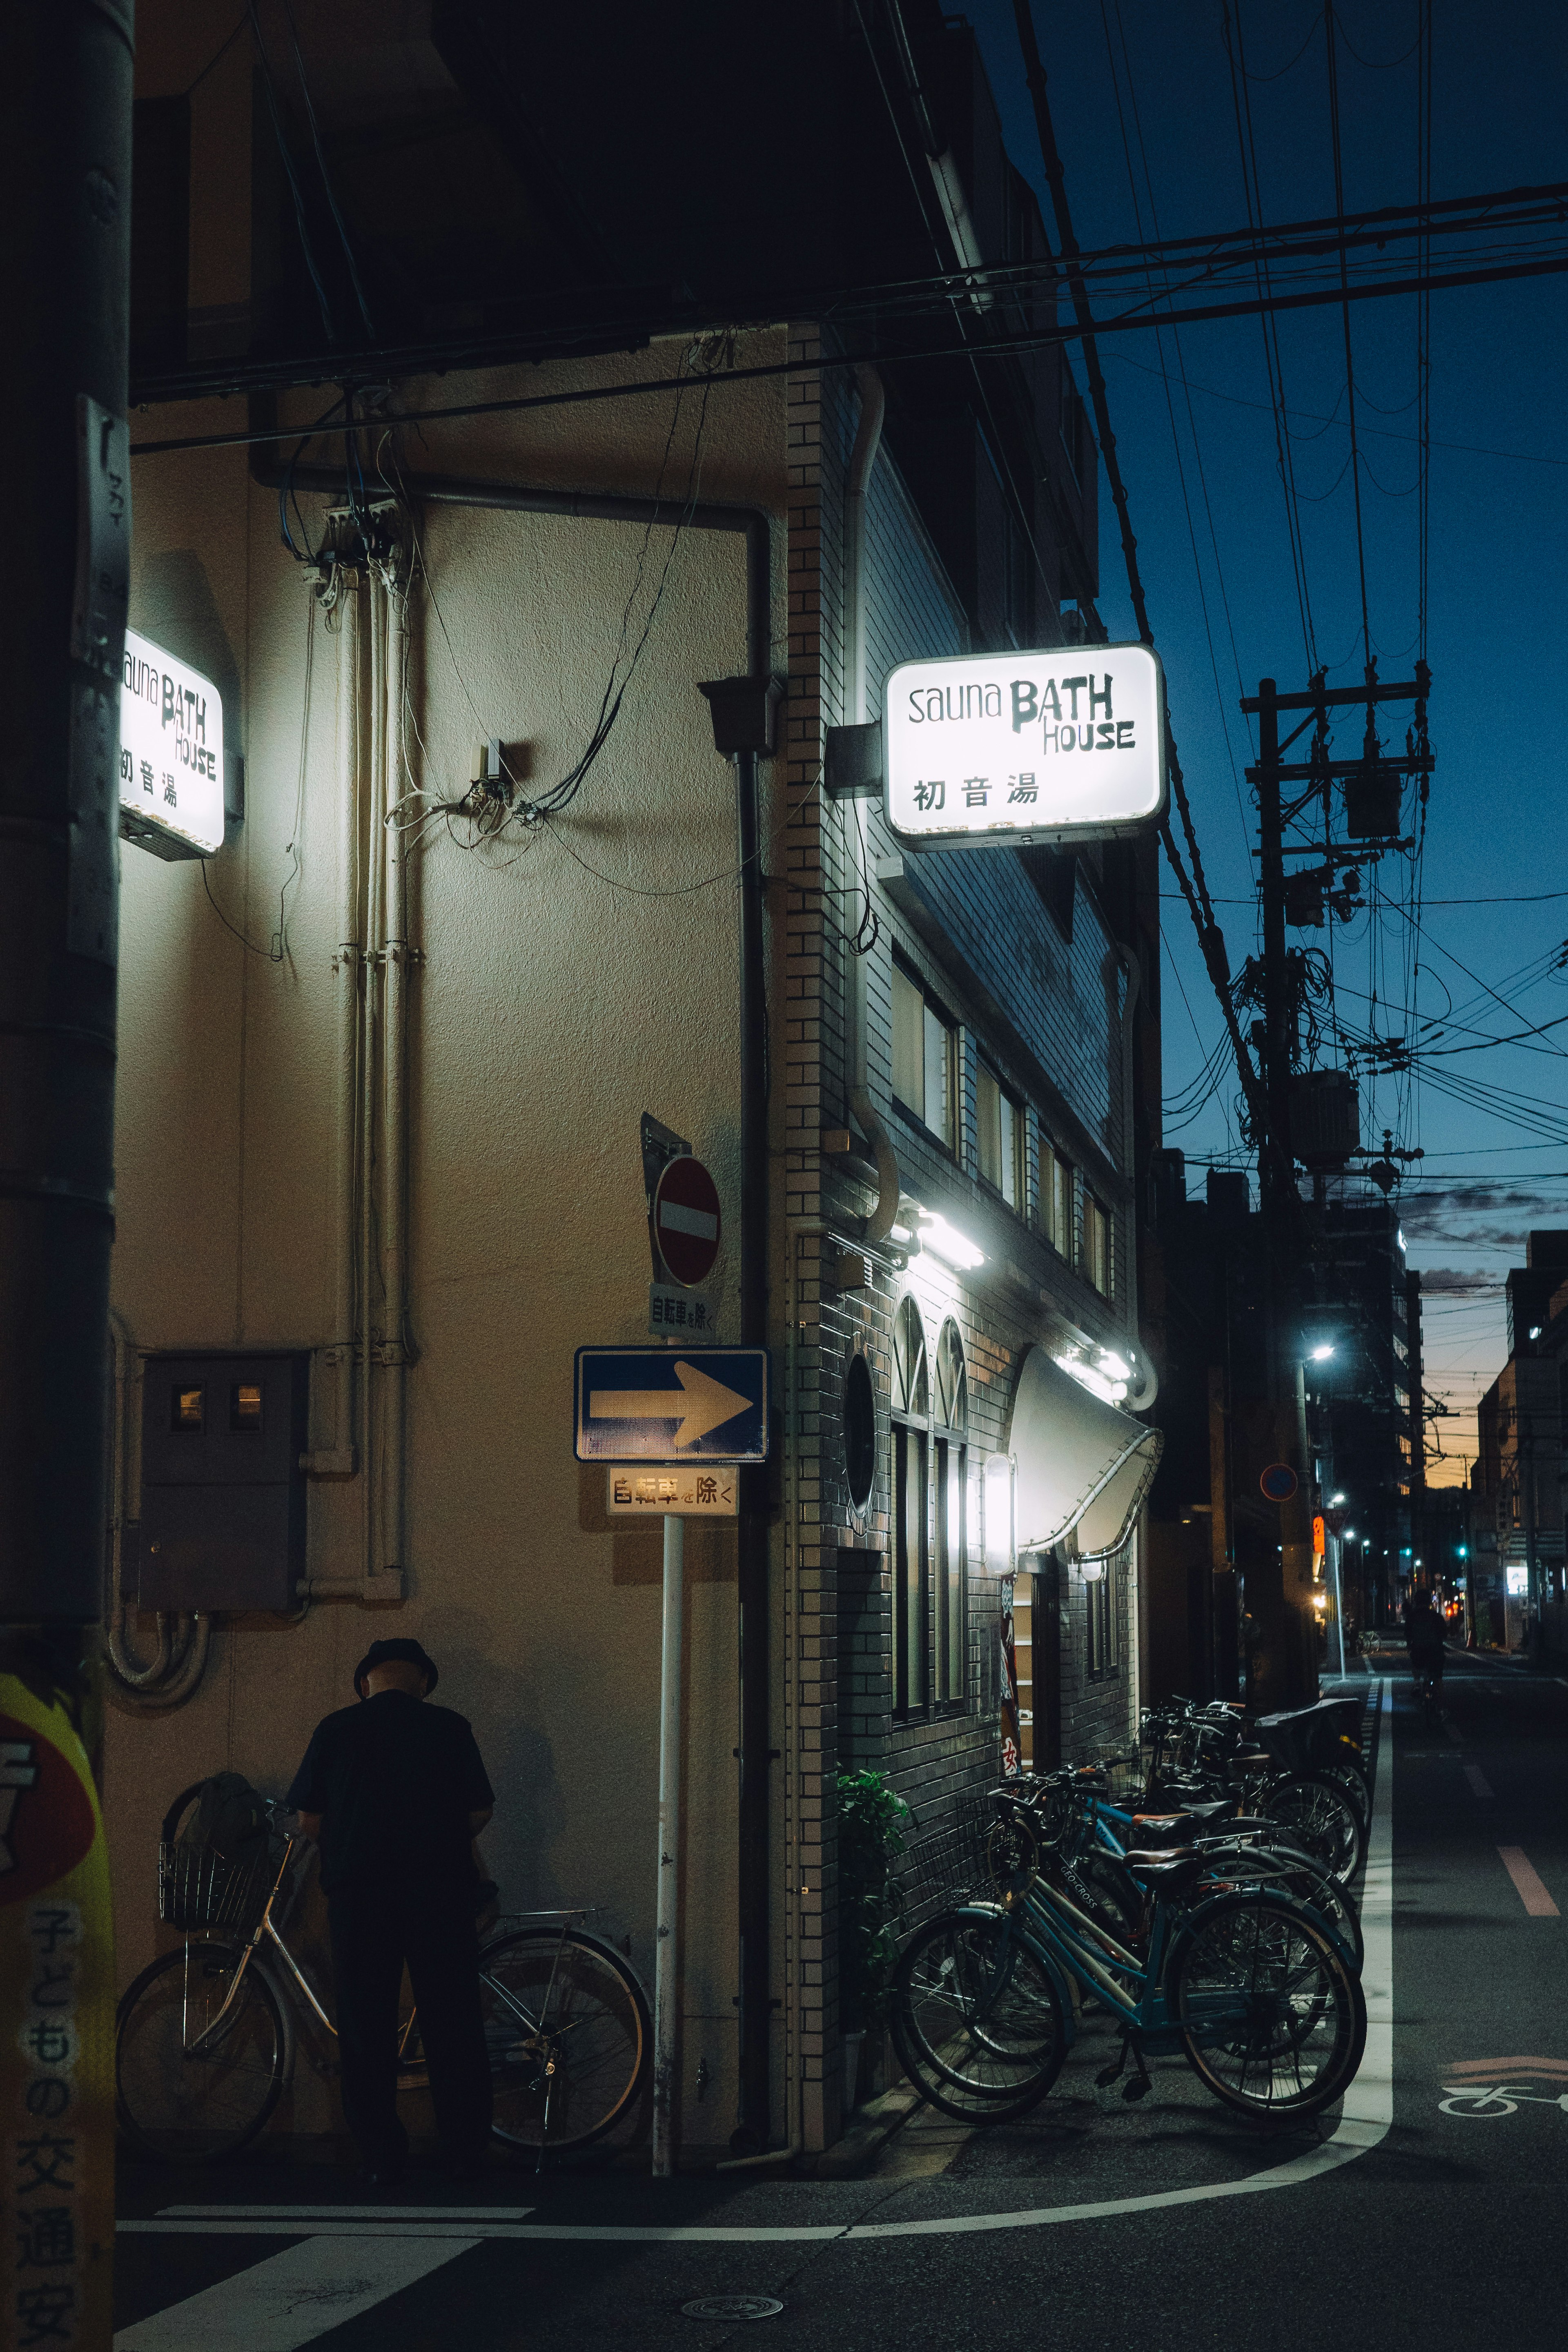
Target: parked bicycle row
{"x": 1199, "y": 1894}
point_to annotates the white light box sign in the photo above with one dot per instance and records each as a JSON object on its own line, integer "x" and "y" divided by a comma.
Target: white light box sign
{"x": 1063, "y": 745}
{"x": 170, "y": 754}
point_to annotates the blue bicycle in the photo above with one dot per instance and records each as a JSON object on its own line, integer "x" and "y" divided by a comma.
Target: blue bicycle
{"x": 1255, "y": 1991}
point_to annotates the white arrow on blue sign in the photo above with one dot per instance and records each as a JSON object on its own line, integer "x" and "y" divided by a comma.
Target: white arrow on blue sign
{"x": 664, "y": 1404}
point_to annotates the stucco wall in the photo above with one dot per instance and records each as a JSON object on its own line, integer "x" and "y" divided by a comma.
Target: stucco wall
{"x": 554, "y": 1005}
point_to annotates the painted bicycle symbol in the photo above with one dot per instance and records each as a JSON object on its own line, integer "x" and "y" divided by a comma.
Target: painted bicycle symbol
{"x": 1499, "y": 2087}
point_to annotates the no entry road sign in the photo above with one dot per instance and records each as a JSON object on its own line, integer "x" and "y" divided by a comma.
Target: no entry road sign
{"x": 667, "y": 1404}
{"x": 686, "y": 1221}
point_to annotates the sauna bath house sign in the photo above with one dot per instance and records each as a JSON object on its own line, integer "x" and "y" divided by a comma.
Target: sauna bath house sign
{"x": 987, "y": 751}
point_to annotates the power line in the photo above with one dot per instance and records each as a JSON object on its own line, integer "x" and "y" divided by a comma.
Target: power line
{"x": 1345, "y": 312}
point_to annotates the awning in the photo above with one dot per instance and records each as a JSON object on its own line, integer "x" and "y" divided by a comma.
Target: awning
{"x": 1080, "y": 1463}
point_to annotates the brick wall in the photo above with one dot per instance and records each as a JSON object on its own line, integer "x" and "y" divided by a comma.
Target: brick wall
{"x": 1046, "y": 1015}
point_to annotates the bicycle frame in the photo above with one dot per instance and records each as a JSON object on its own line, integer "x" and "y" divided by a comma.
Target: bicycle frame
{"x": 265, "y": 1931}
{"x": 1057, "y": 1932}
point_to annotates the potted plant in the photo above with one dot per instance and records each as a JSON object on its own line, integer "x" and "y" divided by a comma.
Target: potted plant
{"x": 871, "y": 1906}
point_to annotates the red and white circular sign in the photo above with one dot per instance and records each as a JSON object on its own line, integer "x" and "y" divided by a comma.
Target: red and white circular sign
{"x": 686, "y": 1220}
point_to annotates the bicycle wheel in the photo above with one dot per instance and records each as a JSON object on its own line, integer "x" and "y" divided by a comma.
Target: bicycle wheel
{"x": 1320, "y": 1816}
{"x": 1273, "y": 2024}
{"x": 977, "y": 2018}
{"x": 568, "y": 2034}
{"x": 193, "y": 2080}
{"x": 1346, "y": 1777}
{"x": 1301, "y": 1880}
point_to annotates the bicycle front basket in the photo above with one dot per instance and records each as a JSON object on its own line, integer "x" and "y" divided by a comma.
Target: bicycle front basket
{"x": 199, "y": 1887}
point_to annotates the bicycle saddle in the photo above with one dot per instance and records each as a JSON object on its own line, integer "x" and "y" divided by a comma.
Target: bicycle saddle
{"x": 1156, "y": 1831}
{"x": 1166, "y": 1872}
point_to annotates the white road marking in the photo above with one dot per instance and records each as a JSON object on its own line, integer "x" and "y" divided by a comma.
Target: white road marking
{"x": 1530, "y": 1885}
{"x": 290, "y": 2298}
{"x": 299, "y": 2225}
{"x": 1478, "y": 1780}
{"x": 383, "y": 2212}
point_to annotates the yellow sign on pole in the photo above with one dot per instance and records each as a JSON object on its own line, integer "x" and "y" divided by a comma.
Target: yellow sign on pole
{"x": 56, "y": 2028}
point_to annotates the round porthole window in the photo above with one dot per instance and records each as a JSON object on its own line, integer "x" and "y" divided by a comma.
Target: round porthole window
{"x": 860, "y": 1432}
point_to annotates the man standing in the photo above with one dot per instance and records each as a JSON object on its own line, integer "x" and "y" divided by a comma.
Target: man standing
{"x": 395, "y": 1792}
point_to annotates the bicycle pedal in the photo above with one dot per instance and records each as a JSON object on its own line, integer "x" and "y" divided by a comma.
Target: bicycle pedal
{"x": 1137, "y": 2087}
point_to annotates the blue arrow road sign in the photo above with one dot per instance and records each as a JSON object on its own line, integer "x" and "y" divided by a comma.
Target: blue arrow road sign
{"x": 672, "y": 1404}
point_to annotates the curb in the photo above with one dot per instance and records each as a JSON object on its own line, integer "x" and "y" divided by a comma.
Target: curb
{"x": 875, "y": 2124}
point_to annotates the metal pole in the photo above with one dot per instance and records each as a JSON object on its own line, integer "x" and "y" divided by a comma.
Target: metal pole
{"x": 667, "y": 1945}
{"x": 65, "y": 188}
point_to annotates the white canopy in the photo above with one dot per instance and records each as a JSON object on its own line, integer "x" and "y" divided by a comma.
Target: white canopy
{"x": 1080, "y": 1463}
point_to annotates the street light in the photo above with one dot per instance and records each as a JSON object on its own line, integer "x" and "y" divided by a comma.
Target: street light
{"x": 1333, "y": 1499}
{"x": 1320, "y": 1355}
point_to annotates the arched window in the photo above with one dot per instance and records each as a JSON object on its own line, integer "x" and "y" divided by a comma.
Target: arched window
{"x": 950, "y": 1563}
{"x": 911, "y": 1438}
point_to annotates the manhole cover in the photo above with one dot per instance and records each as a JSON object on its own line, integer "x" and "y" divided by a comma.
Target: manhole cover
{"x": 732, "y": 2306}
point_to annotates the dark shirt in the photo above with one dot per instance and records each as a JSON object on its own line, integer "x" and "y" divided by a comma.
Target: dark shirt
{"x": 394, "y": 1780}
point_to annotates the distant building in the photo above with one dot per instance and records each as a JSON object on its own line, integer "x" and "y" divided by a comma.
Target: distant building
{"x": 1517, "y": 1485}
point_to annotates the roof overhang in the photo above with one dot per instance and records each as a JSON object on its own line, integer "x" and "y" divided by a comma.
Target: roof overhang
{"x": 1083, "y": 1468}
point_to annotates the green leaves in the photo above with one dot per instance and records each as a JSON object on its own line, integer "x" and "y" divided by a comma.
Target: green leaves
{"x": 871, "y": 1901}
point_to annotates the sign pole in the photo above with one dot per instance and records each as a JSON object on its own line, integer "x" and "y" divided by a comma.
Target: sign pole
{"x": 667, "y": 1940}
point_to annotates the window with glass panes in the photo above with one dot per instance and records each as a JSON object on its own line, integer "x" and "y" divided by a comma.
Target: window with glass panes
{"x": 925, "y": 1058}
{"x": 999, "y": 1136}
{"x": 1102, "y": 1649}
{"x": 1097, "y": 1245}
{"x": 950, "y": 1565}
{"x": 1055, "y": 1197}
{"x": 910, "y": 1421}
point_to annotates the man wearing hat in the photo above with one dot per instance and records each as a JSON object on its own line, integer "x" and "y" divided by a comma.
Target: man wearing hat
{"x": 395, "y": 1792}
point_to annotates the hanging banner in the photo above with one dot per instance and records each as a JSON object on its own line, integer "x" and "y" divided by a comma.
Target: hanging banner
{"x": 57, "y": 2027}
{"x": 1061, "y": 746}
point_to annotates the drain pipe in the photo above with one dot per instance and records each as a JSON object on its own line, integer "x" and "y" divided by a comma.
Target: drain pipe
{"x": 395, "y": 959}
{"x": 754, "y": 525}
{"x": 862, "y": 458}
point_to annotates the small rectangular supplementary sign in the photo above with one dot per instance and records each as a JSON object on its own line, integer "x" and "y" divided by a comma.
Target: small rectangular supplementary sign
{"x": 673, "y": 1405}
{"x": 689, "y": 1494}
{"x": 676, "y": 1313}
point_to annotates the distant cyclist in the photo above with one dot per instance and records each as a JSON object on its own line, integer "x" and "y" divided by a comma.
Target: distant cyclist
{"x": 1424, "y": 1640}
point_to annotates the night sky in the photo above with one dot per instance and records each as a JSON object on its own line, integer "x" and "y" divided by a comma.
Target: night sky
{"x": 1209, "y": 512}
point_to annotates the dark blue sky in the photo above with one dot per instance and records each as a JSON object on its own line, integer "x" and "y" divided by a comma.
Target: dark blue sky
{"x": 1222, "y": 594}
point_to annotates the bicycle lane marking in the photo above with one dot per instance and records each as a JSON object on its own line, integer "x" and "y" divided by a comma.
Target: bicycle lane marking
{"x": 1366, "y": 2114}
{"x": 1529, "y": 1885}
{"x": 288, "y": 2300}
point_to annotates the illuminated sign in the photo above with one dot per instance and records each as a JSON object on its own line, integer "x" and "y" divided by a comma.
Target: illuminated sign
{"x": 1063, "y": 745}
{"x": 170, "y": 754}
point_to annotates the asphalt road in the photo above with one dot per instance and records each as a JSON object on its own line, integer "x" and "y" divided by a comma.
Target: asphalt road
{"x": 1431, "y": 2212}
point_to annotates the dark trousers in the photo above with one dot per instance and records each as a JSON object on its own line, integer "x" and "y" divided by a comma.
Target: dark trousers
{"x": 376, "y": 1930}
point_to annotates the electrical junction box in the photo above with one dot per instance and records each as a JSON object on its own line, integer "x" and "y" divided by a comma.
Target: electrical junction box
{"x": 222, "y": 1493}
{"x": 1325, "y": 1118}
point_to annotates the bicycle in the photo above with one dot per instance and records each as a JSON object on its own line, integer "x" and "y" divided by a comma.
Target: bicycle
{"x": 1089, "y": 1847}
{"x": 1255, "y": 1991}
{"x": 205, "y": 2042}
{"x": 1428, "y": 1684}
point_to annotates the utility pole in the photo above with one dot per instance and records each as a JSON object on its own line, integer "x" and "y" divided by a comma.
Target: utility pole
{"x": 1282, "y": 1654}
{"x": 65, "y": 187}
{"x": 1418, "y": 1417}
{"x": 1282, "y": 1661}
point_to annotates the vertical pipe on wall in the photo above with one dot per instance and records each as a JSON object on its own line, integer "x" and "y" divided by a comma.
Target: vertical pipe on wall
{"x": 346, "y": 968}
{"x": 395, "y": 1097}
{"x": 372, "y": 834}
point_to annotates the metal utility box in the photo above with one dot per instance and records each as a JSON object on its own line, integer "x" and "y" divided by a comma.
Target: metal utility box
{"x": 1325, "y": 1118}
{"x": 222, "y": 1493}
